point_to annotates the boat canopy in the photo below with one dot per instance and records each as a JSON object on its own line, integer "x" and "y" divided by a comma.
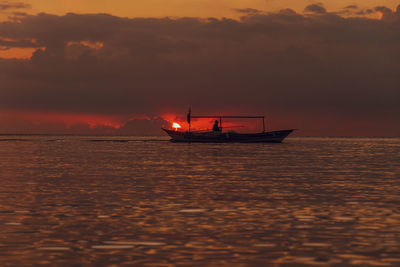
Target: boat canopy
{"x": 220, "y": 117}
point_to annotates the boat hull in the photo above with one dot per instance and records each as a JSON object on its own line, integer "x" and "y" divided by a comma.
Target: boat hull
{"x": 228, "y": 137}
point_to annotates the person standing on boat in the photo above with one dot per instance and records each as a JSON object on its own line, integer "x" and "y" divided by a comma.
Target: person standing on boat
{"x": 216, "y": 127}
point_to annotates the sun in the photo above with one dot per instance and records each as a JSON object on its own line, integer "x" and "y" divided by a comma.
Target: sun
{"x": 176, "y": 126}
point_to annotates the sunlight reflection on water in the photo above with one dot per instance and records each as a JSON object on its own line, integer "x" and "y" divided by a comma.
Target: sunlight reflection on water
{"x": 146, "y": 201}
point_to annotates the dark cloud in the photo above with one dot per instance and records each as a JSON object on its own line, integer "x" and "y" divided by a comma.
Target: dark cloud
{"x": 143, "y": 127}
{"x": 247, "y": 10}
{"x": 360, "y": 12}
{"x": 6, "y": 5}
{"x": 17, "y": 43}
{"x": 383, "y": 9}
{"x": 350, "y": 10}
{"x": 369, "y": 11}
{"x": 388, "y": 14}
{"x": 356, "y": 11}
{"x": 282, "y": 64}
{"x": 351, "y": 7}
{"x": 315, "y": 8}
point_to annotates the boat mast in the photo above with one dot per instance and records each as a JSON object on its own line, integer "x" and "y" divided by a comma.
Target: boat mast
{"x": 263, "y": 119}
{"x": 189, "y": 117}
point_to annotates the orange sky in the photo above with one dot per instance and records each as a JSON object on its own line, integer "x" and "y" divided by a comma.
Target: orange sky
{"x": 172, "y": 8}
{"x": 74, "y": 74}
{"x": 197, "y": 8}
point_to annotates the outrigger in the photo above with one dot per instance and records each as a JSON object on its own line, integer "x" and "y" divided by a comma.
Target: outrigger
{"x": 229, "y": 136}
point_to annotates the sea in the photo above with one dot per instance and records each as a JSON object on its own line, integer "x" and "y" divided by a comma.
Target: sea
{"x": 144, "y": 201}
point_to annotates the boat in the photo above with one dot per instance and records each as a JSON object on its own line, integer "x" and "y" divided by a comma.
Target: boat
{"x": 227, "y": 136}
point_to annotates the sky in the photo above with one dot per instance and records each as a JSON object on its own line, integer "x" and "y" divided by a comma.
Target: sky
{"x": 327, "y": 68}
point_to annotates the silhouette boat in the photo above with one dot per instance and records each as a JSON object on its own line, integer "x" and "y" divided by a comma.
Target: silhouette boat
{"x": 228, "y": 136}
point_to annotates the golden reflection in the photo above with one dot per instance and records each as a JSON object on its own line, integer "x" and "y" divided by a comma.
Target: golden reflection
{"x": 74, "y": 202}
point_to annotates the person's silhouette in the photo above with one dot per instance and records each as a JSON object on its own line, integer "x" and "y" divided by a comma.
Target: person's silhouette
{"x": 216, "y": 127}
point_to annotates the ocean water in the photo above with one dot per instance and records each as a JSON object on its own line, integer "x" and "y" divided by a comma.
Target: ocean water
{"x": 144, "y": 201}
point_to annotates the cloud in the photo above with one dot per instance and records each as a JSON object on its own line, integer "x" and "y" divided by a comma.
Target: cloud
{"x": 388, "y": 14}
{"x": 247, "y": 10}
{"x": 6, "y": 5}
{"x": 282, "y": 64}
{"x": 315, "y": 8}
{"x": 351, "y": 7}
{"x": 50, "y": 123}
{"x": 368, "y": 11}
{"x": 383, "y": 9}
{"x": 143, "y": 126}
